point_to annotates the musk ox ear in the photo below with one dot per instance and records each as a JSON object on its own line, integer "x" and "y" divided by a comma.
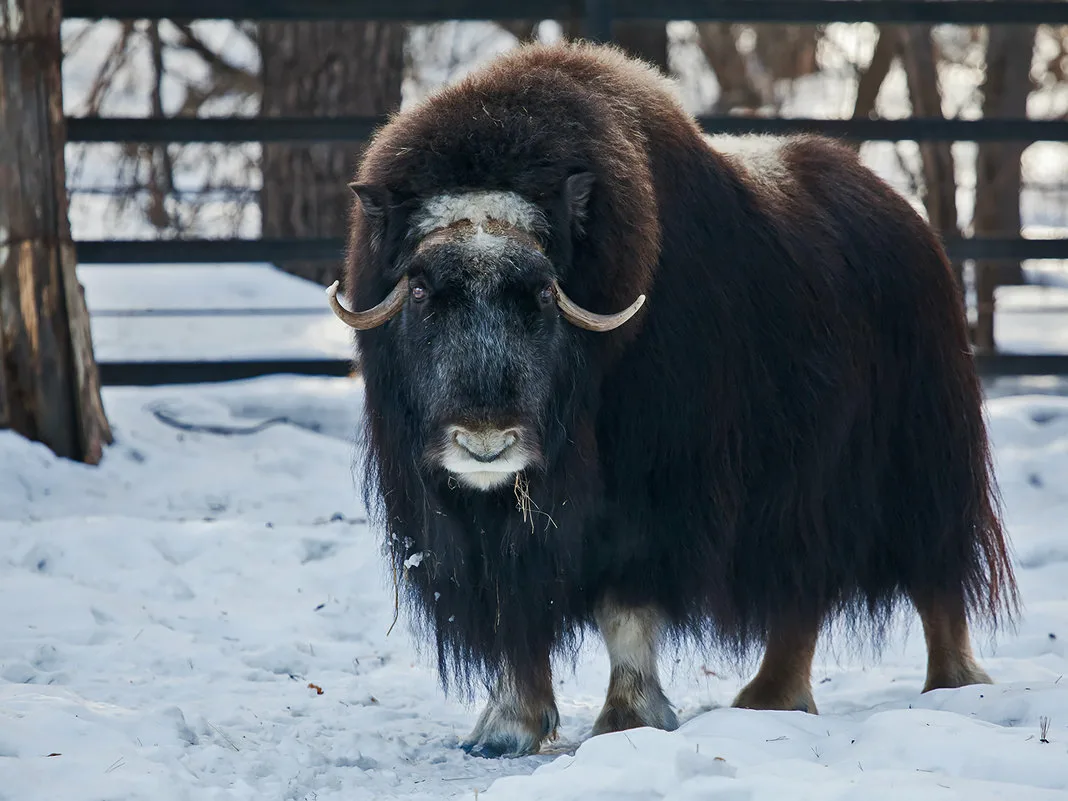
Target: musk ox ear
{"x": 577, "y": 190}
{"x": 374, "y": 200}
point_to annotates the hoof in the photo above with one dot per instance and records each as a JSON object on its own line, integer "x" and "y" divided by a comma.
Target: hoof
{"x": 950, "y": 677}
{"x": 652, "y": 709}
{"x": 758, "y": 695}
{"x": 494, "y": 750}
{"x": 503, "y": 732}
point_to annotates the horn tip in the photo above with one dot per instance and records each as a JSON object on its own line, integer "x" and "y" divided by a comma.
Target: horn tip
{"x": 331, "y": 291}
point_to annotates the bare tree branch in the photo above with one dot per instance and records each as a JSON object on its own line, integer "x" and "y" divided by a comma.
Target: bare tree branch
{"x": 234, "y": 77}
{"x": 113, "y": 62}
{"x": 161, "y": 175}
{"x": 871, "y": 78}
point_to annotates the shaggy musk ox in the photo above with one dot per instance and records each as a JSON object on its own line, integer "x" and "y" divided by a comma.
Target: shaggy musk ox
{"x": 619, "y": 376}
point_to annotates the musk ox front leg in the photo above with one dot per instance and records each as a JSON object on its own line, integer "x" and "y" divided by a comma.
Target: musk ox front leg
{"x": 520, "y": 715}
{"x": 784, "y": 680}
{"x": 635, "y": 697}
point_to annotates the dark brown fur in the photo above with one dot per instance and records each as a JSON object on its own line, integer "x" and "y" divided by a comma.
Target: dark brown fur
{"x": 790, "y": 429}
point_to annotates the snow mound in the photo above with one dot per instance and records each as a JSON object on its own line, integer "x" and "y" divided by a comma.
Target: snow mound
{"x": 204, "y": 617}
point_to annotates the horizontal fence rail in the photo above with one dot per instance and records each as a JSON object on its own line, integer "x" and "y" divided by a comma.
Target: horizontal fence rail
{"x": 929, "y": 12}
{"x": 158, "y": 130}
{"x": 223, "y": 251}
{"x": 141, "y": 373}
{"x": 148, "y": 374}
{"x": 1003, "y": 365}
{"x": 283, "y": 311}
{"x": 323, "y": 310}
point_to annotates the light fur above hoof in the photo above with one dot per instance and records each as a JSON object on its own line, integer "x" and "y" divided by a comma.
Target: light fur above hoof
{"x": 954, "y": 676}
{"x": 758, "y": 695}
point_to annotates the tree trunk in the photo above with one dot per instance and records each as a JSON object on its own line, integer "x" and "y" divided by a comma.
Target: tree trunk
{"x": 321, "y": 69}
{"x": 786, "y": 52}
{"x": 998, "y": 175}
{"x": 49, "y": 386}
{"x": 940, "y": 185}
{"x": 737, "y": 90}
{"x": 748, "y": 80}
{"x": 871, "y": 80}
{"x": 939, "y": 179}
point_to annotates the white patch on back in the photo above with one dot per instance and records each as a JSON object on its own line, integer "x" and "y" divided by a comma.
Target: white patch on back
{"x": 759, "y": 154}
{"x": 478, "y": 207}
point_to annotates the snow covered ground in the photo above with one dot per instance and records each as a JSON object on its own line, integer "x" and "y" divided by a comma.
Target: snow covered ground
{"x": 163, "y": 615}
{"x": 167, "y": 617}
{"x": 186, "y": 291}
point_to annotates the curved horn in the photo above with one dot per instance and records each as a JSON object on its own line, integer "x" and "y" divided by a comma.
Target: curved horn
{"x": 579, "y": 316}
{"x": 372, "y": 318}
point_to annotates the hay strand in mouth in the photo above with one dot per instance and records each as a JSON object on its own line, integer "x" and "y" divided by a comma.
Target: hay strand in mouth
{"x": 525, "y": 504}
{"x": 522, "y": 498}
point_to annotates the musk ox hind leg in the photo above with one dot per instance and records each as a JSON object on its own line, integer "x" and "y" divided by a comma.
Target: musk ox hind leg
{"x": 784, "y": 680}
{"x": 635, "y": 698}
{"x": 520, "y": 715}
{"x": 950, "y": 662}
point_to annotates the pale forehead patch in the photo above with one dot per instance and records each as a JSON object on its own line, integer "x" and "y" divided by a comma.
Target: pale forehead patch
{"x": 478, "y": 208}
{"x": 489, "y": 250}
{"x": 483, "y": 236}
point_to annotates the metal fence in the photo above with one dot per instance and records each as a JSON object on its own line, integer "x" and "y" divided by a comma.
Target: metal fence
{"x": 598, "y": 17}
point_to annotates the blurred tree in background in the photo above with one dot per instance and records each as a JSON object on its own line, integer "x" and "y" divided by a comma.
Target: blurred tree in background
{"x": 752, "y": 62}
{"x": 352, "y": 68}
{"x": 324, "y": 69}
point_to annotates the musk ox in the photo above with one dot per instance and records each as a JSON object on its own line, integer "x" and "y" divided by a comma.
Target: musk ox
{"x": 619, "y": 375}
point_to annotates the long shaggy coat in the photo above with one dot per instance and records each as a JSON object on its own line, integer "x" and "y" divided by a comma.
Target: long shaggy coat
{"x": 790, "y": 428}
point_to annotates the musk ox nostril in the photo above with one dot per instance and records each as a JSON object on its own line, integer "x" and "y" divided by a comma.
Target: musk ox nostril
{"x": 486, "y": 444}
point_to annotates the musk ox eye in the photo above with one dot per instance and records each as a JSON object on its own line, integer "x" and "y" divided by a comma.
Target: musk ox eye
{"x": 545, "y": 297}
{"x": 418, "y": 292}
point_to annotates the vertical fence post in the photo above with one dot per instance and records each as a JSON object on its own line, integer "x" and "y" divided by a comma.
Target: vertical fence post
{"x": 597, "y": 25}
{"x": 985, "y": 285}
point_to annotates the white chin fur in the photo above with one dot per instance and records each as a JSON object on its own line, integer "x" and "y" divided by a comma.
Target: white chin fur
{"x": 483, "y": 475}
{"x": 484, "y": 479}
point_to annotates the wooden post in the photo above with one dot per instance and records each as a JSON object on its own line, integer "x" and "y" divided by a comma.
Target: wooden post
{"x": 986, "y": 281}
{"x": 49, "y": 385}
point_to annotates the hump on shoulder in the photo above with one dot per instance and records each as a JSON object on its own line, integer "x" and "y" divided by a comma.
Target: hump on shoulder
{"x": 790, "y": 163}
{"x": 763, "y": 158}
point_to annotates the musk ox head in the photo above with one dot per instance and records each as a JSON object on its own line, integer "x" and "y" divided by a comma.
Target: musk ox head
{"x": 476, "y": 323}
